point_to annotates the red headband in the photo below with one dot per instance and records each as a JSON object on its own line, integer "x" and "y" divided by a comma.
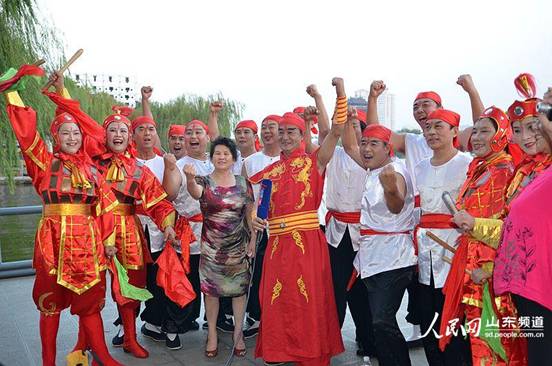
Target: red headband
{"x": 450, "y": 117}
{"x": 247, "y": 124}
{"x": 177, "y": 130}
{"x": 429, "y": 95}
{"x": 142, "y": 120}
{"x": 196, "y": 122}
{"x": 273, "y": 117}
{"x": 293, "y": 119}
{"x": 381, "y": 133}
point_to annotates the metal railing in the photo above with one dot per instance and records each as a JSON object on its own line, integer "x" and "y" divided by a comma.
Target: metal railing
{"x": 17, "y": 268}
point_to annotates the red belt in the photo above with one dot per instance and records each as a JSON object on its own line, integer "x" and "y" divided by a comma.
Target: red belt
{"x": 196, "y": 218}
{"x": 346, "y": 217}
{"x": 433, "y": 221}
{"x": 374, "y": 232}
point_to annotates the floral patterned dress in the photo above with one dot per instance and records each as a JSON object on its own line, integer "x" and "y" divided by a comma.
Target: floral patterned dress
{"x": 223, "y": 265}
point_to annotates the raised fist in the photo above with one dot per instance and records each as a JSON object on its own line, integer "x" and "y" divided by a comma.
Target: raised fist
{"x": 312, "y": 91}
{"x": 216, "y": 107}
{"x": 388, "y": 178}
{"x": 189, "y": 171}
{"x": 466, "y": 82}
{"x": 309, "y": 113}
{"x": 376, "y": 88}
{"x": 337, "y": 81}
{"x": 169, "y": 160}
{"x": 57, "y": 80}
{"x": 352, "y": 114}
{"x": 146, "y": 91}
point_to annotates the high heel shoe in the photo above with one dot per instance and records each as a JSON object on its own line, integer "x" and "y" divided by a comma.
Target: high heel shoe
{"x": 211, "y": 354}
{"x": 239, "y": 352}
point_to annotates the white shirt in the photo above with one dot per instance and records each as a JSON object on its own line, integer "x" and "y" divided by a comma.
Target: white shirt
{"x": 255, "y": 163}
{"x": 185, "y": 204}
{"x": 157, "y": 166}
{"x": 416, "y": 150}
{"x": 381, "y": 253}
{"x": 432, "y": 182}
{"x": 343, "y": 190}
{"x": 237, "y": 167}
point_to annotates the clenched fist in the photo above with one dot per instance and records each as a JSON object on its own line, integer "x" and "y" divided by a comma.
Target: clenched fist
{"x": 189, "y": 171}
{"x": 169, "y": 160}
{"x": 146, "y": 91}
{"x": 309, "y": 113}
{"x": 216, "y": 107}
{"x": 388, "y": 178}
{"x": 464, "y": 220}
{"x": 312, "y": 91}
{"x": 376, "y": 88}
{"x": 466, "y": 82}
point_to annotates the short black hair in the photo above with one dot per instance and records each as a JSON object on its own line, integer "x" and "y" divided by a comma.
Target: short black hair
{"x": 225, "y": 141}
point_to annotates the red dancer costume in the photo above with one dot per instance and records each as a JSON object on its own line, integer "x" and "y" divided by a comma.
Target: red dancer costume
{"x": 77, "y": 222}
{"x": 482, "y": 195}
{"x": 298, "y": 314}
{"x": 136, "y": 189}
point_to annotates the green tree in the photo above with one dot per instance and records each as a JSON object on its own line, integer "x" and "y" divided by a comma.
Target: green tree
{"x": 25, "y": 38}
{"x": 409, "y": 130}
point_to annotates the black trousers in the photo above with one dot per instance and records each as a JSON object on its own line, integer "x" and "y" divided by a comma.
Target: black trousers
{"x": 254, "y": 306}
{"x": 413, "y": 316}
{"x": 457, "y": 353}
{"x": 341, "y": 261}
{"x": 193, "y": 277}
{"x": 385, "y": 293}
{"x": 539, "y": 349}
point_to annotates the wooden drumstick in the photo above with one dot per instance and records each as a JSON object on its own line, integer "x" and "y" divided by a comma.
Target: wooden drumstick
{"x": 440, "y": 241}
{"x": 449, "y": 261}
{"x": 38, "y": 63}
{"x": 66, "y": 66}
{"x": 449, "y": 202}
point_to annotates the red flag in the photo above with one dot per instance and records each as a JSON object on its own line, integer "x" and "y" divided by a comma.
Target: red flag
{"x": 172, "y": 277}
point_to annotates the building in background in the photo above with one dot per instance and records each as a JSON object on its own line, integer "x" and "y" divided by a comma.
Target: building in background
{"x": 122, "y": 88}
{"x": 386, "y": 106}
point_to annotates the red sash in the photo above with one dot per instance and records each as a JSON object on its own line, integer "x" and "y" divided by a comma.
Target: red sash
{"x": 346, "y": 217}
{"x": 196, "y": 218}
{"x": 433, "y": 221}
{"x": 374, "y": 232}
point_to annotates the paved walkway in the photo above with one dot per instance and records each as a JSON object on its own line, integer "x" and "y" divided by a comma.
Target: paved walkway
{"x": 20, "y": 342}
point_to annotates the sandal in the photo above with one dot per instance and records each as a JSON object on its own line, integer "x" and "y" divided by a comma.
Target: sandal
{"x": 239, "y": 352}
{"x": 211, "y": 354}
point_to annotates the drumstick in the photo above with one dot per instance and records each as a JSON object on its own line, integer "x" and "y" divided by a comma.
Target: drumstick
{"x": 449, "y": 261}
{"x": 66, "y": 66}
{"x": 440, "y": 241}
{"x": 38, "y": 63}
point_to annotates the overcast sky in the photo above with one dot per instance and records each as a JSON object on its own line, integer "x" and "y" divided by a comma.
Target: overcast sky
{"x": 264, "y": 53}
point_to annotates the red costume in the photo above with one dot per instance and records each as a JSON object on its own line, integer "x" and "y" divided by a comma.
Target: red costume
{"x": 77, "y": 222}
{"x": 135, "y": 187}
{"x": 482, "y": 196}
{"x": 298, "y": 314}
